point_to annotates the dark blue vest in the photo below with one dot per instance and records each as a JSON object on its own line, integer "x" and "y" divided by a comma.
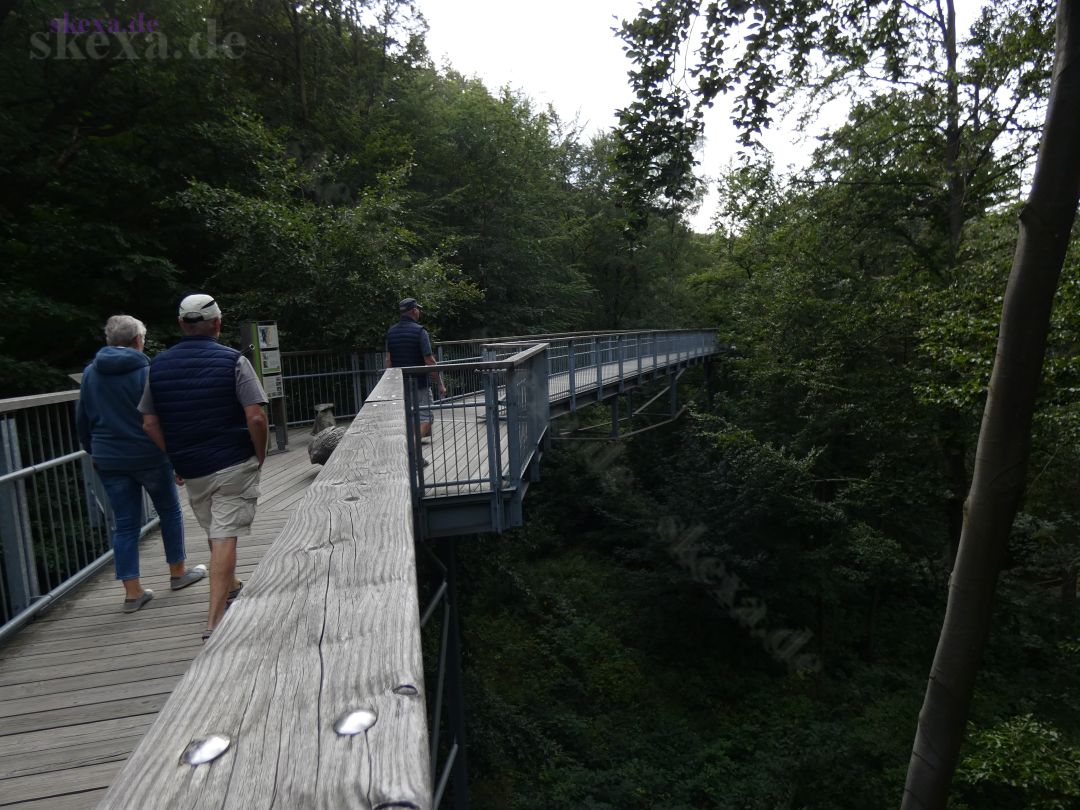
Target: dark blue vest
{"x": 403, "y": 342}
{"x": 193, "y": 385}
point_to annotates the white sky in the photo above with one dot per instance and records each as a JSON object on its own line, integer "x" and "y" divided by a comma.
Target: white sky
{"x": 564, "y": 52}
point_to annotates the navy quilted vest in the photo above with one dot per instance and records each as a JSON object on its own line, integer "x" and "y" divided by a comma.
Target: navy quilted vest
{"x": 403, "y": 343}
{"x": 193, "y": 385}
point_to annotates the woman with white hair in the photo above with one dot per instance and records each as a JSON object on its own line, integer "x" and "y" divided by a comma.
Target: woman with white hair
{"x": 110, "y": 430}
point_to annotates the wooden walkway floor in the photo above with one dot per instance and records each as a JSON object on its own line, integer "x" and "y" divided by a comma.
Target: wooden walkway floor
{"x": 82, "y": 684}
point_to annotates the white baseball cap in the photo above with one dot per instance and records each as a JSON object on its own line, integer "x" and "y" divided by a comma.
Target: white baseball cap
{"x": 199, "y": 307}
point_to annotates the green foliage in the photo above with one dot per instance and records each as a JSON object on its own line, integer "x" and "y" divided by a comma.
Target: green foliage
{"x": 1021, "y": 762}
{"x": 903, "y": 51}
{"x": 316, "y": 179}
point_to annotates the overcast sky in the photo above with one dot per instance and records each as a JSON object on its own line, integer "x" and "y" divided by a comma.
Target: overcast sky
{"x": 564, "y": 52}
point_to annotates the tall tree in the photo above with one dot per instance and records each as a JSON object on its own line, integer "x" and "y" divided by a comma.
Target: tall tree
{"x": 1004, "y": 440}
{"x": 766, "y": 52}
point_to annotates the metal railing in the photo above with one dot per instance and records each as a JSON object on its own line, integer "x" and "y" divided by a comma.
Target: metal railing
{"x": 55, "y": 520}
{"x": 311, "y": 378}
{"x": 499, "y": 399}
{"x": 345, "y": 377}
{"x": 491, "y": 421}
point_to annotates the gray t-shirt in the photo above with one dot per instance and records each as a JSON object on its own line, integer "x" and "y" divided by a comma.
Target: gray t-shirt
{"x": 248, "y": 388}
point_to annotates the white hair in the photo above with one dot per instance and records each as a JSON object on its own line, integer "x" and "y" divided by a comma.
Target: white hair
{"x": 121, "y": 330}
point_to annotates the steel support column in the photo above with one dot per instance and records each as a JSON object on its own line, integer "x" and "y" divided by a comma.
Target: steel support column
{"x": 455, "y": 706}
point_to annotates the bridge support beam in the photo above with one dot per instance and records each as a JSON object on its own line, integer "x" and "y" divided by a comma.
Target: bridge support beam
{"x": 455, "y": 707}
{"x": 615, "y": 417}
{"x": 673, "y": 393}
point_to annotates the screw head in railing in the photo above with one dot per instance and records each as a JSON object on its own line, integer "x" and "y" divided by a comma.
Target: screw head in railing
{"x": 355, "y": 721}
{"x": 205, "y": 749}
{"x": 406, "y": 690}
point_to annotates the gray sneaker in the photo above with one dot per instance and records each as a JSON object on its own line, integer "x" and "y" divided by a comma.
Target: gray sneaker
{"x": 131, "y": 605}
{"x": 189, "y": 577}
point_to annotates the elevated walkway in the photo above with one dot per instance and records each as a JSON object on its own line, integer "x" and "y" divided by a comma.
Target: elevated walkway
{"x": 315, "y": 678}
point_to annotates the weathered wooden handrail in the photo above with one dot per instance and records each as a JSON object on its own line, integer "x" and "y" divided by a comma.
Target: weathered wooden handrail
{"x": 325, "y": 637}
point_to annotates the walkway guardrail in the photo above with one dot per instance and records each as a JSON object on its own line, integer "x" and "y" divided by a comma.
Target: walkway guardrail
{"x": 344, "y": 378}
{"x": 491, "y": 422}
{"x": 489, "y": 427}
{"x": 54, "y": 516}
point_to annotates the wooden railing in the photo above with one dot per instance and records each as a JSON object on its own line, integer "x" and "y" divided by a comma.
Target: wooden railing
{"x": 310, "y": 694}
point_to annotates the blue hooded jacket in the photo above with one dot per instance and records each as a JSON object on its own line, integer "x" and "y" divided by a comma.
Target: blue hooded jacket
{"x": 110, "y": 425}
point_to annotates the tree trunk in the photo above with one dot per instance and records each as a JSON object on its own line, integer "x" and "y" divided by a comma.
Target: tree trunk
{"x": 295, "y": 15}
{"x": 1004, "y": 439}
{"x": 956, "y": 476}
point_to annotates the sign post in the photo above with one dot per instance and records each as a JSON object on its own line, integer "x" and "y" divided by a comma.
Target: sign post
{"x": 262, "y": 337}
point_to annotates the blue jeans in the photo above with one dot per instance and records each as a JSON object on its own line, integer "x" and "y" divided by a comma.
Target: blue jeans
{"x": 124, "y": 489}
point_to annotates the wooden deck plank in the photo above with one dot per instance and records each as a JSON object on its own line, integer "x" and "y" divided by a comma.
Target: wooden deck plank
{"x": 47, "y": 787}
{"x": 51, "y": 760}
{"x": 77, "y": 715}
{"x": 86, "y": 696}
{"x": 114, "y": 728}
{"x": 71, "y": 801}
{"x": 71, "y": 683}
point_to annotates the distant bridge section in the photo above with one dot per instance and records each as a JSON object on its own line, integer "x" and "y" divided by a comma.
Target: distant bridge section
{"x": 490, "y": 430}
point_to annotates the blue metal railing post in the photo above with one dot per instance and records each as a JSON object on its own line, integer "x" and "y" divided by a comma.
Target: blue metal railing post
{"x": 655, "y": 354}
{"x": 20, "y": 571}
{"x": 491, "y": 422}
{"x": 599, "y": 371}
{"x": 637, "y": 351}
{"x": 620, "y": 346}
{"x": 357, "y": 381}
{"x": 540, "y": 371}
{"x": 415, "y": 450}
{"x": 513, "y": 425}
{"x": 572, "y": 373}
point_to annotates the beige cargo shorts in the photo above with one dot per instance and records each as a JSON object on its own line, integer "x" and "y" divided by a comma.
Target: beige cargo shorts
{"x": 224, "y": 501}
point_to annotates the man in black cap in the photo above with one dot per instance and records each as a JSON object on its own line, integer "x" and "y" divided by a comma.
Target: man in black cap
{"x": 408, "y": 344}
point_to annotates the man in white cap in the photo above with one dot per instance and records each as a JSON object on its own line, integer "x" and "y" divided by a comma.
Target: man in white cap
{"x": 202, "y": 405}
